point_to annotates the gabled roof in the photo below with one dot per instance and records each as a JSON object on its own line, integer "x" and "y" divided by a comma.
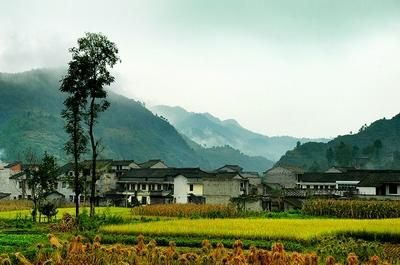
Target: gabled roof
{"x": 18, "y": 175}
{"x": 233, "y": 168}
{"x": 88, "y": 163}
{"x": 366, "y": 178}
{"x": 339, "y": 169}
{"x": 224, "y": 176}
{"x": 12, "y": 164}
{"x": 294, "y": 169}
{"x": 54, "y": 192}
{"x": 161, "y": 173}
{"x": 150, "y": 163}
{"x": 379, "y": 178}
{"x": 328, "y": 177}
{"x": 4, "y": 195}
{"x": 122, "y": 162}
{"x": 66, "y": 168}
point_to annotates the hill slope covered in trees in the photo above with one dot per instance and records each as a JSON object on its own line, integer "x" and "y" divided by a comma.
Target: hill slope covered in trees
{"x": 30, "y": 107}
{"x": 376, "y": 146}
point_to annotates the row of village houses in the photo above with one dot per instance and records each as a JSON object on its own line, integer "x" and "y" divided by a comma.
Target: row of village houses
{"x": 126, "y": 182}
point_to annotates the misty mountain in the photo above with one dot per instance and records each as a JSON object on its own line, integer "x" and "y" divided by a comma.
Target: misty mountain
{"x": 376, "y": 146}
{"x": 209, "y": 131}
{"x": 30, "y": 107}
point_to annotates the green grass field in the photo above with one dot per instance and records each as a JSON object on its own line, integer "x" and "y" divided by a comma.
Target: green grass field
{"x": 297, "y": 229}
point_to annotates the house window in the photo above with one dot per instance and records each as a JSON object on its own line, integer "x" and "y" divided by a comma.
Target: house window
{"x": 159, "y": 187}
{"x": 71, "y": 173}
{"x": 144, "y": 200}
{"x": 29, "y": 197}
{"x": 143, "y": 186}
{"x": 64, "y": 184}
{"x": 71, "y": 198}
{"x": 56, "y": 186}
{"x": 19, "y": 197}
{"x": 392, "y": 188}
{"x": 191, "y": 187}
{"x": 20, "y": 184}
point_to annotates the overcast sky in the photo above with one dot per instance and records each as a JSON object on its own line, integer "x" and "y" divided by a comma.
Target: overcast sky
{"x": 313, "y": 68}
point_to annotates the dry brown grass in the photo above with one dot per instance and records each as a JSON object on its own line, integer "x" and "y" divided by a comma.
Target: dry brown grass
{"x": 77, "y": 251}
{"x": 11, "y": 205}
{"x": 187, "y": 210}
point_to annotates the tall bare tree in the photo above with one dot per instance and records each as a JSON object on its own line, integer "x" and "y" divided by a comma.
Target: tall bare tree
{"x": 74, "y": 113}
{"x": 95, "y": 56}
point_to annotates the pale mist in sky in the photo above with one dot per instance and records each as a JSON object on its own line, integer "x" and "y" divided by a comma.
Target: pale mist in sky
{"x": 313, "y": 68}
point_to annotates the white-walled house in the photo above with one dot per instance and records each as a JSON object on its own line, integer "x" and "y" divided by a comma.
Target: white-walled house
{"x": 379, "y": 183}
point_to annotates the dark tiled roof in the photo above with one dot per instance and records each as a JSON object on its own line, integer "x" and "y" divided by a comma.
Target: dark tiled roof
{"x": 223, "y": 175}
{"x": 294, "y": 169}
{"x": 16, "y": 176}
{"x": 342, "y": 169}
{"x": 329, "y": 177}
{"x": 122, "y": 162}
{"x": 66, "y": 168}
{"x": 367, "y": 178}
{"x": 235, "y": 168}
{"x": 161, "y": 173}
{"x": 12, "y": 164}
{"x": 376, "y": 179}
{"x": 4, "y": 195}
{"x": 99, "y": 162}
{"x": 150, "y": 163}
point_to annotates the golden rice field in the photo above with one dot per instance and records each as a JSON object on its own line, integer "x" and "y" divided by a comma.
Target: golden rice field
{"x": 121, "y": 211}
{"x": 299, "y": 229}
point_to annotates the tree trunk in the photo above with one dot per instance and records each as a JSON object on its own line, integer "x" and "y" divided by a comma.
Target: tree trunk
{"x": 34, "y": 211}
{"x": 77, "y": 189}
{"x": 94, "y": 157}
{"x": 76, "y": 169}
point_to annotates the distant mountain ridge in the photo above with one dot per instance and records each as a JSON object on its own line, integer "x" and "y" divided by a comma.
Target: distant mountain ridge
{"x": 30, "y": 107}
{"x": 209, "y": 131}
{"x": 376, "y": 146}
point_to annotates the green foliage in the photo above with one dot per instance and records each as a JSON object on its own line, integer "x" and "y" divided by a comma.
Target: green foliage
{"x": 360, "y": 209}
{"x": 374, "y": 146}
{"x": 87, "y": 223}
{"x": 49, "y": 210}
{"x": 22, "y": 222}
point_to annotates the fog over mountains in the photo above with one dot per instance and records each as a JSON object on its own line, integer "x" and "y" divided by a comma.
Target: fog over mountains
{"x": 209, "y": 131}
{"x": 30, "y": 107}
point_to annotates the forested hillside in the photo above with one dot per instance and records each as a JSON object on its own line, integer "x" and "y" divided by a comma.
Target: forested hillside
{"x": 374, "y": 146}
{"x": 30, "y": 107}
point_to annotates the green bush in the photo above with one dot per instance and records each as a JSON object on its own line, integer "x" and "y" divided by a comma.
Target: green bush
{"x": 86, "y": 223}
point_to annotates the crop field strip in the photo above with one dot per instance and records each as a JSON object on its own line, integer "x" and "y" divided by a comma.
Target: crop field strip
{"x": 297, "y": 229}
{"x": 123, "y": 212}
